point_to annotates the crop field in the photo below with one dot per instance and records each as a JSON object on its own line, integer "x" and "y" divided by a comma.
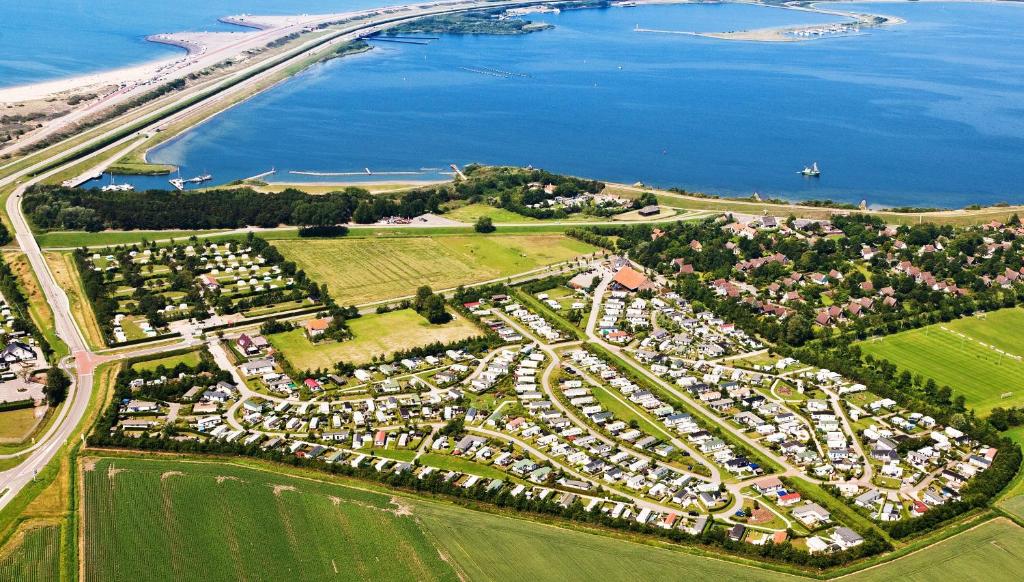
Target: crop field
{"x": 155, "y": 519}
{"x": 32, "y": 555}
{"x": 981, "y": 358}
{"x": 174, "y": 520}
{"x": 491, "y": 547}
{"x": 988, "y": 552}
{"x": 362, "y": 270}
{"x": 373, "y": 335}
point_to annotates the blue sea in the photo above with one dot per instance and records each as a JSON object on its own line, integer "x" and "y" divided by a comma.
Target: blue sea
{"x": 929, "y": 113}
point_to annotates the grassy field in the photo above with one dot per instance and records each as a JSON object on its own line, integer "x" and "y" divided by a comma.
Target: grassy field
{"x": 188, "y": 358}
{"x": 16, "y": 425}
{"x": 471, "y": 212}
{"x": 32, "y": 555}
{"x": 39, "y": 309}
{"x": 361, "y": 270}
{"x": 963, "y": 354}
{"x": 66, "y": 275}
{"x": 373, "y": 335}
{"x": 74, "y": 239}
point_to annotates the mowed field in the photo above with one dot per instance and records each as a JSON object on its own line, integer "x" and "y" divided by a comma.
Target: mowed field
{"x": 362, "y": 270}
{"x": 979, "y": 357}
{"x": 173, "y": 520}
{"x": 32, "y": 555}
{"x": 373, "y": 335}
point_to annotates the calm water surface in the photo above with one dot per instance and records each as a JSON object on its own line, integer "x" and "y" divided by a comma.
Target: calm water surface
{"x": 930, "y": 113}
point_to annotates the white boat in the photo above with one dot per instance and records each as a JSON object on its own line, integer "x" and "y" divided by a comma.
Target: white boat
{"x": 118, "y": 188}
{"x": 112, "y": 187}
{"x": 177, "y": 183}
{"x": 812, "y": 171}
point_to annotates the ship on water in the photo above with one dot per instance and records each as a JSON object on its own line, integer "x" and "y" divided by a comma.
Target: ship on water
{"x": 811, "y": 171}
{"x": 199, "y": 179}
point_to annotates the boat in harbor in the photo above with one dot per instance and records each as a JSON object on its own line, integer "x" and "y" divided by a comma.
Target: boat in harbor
{"x": 199, "y": 179}
{"x": 112, "y": 187}
{"x": 811, "y": 171}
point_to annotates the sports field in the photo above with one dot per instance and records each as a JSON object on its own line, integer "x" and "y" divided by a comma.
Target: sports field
{"x": 979, "y": 357}
{"x": 373, "y": 335}
{"x": 362, "y": 270}
{"x": 172, "y": 520}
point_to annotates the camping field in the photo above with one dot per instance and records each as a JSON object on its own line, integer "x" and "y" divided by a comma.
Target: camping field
{"x": 373, "y": 335}
{"x": 979, "y": 357}
{"x": 362, "y": 270}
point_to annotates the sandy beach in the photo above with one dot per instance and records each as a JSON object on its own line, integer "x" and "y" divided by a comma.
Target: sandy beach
{"x": 200, "y": 49}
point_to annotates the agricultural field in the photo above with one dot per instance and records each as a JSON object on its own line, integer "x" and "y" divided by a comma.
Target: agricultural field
{"x": 199, "y": 521}
{"x": 362, "y": 270}
{"x": 32, "y": 555}
{"x": 988, "y": 552}
{"x": 981, "y": 358}
{"x": 373, "y": 335}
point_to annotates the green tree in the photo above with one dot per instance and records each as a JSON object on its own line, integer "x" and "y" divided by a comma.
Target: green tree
{"x": 484, "y": 224}
{"x": 57, "y": 384}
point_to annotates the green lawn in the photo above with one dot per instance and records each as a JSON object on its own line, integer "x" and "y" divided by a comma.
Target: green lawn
{"x": 625, "y": 412}
{"x": 449, "y": 462}
{"x": 16, "y": 425}
{"x": 188, "y": 358}
{"x": 361, "y": 270}
{"x": 471, "y": 212}
{"x": 373, "y": 335}
{"x": 968, "y": 363}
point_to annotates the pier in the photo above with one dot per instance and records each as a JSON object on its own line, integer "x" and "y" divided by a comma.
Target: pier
{"x": 365, "y": 172}
{"x": 494, "y": 72}
{"x": 260, "y": 176}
